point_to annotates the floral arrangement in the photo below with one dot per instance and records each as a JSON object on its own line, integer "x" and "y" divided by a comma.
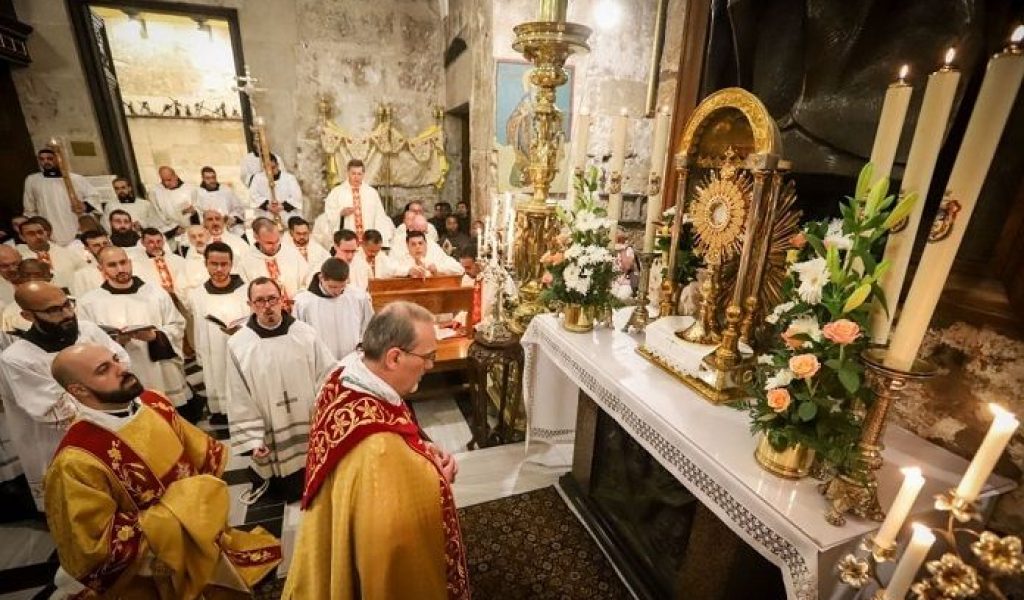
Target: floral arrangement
{"x": 582, "y": 268}
{"x": 808, "y": 386}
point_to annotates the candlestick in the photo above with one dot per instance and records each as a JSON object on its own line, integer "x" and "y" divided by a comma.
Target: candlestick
{"x": 579, "y": 145}
{"x": 890, "y": 124}
{"x": 658, "y": 152}
{"x": 924, "y": 151}
{"x": 920, "y": 543}
{"x": 510, "y": 224}
{"x": 912, "y": 484}
{"x": 615, "y": 166}
{"x": 998, "y": 436}
{"x": 988, "y": 119}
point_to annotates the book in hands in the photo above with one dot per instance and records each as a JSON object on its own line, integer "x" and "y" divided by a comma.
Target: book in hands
{"x": 236, "y": 324}
{"x": 126, "y": 330}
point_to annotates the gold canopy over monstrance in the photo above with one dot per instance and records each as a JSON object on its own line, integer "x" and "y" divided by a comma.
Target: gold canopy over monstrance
{"x": 732, "y": 190}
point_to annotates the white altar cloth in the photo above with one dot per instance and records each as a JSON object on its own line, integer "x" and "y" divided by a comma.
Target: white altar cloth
{"x": 709, "y": 449}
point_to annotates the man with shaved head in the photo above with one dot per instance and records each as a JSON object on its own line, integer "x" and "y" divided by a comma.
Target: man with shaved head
{"x": 175, "y": 201}
{"x": 37, "y": 410}
{"x": 146, "y": 323}
{"x": 134, "y": 490}
{"x": 29, "y": 269}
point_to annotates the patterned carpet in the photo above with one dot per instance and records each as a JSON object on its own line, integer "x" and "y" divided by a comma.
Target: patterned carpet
{"x": 532, "y": 546}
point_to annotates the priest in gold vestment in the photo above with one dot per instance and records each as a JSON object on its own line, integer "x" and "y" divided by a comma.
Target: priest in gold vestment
{"x": 378, "y": 519}
{"x": 133, "y": 496}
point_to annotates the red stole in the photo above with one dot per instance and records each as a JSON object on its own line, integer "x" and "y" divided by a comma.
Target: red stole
{"x": 344, "y": 417}
{"x": 166, "y": 280}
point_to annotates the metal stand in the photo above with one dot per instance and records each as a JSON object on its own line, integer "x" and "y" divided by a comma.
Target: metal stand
{"x": 640, "y": 317}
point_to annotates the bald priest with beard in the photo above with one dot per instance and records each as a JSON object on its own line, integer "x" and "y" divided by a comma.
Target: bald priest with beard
{"x": 134, "y": 498}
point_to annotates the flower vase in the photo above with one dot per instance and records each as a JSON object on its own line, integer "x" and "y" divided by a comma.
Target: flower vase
{"x": 794, "y": 462}
{"x": 578, "y": 318}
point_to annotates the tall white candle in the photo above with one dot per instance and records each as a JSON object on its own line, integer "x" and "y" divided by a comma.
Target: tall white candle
{"x": 924, "y": 151}
{"x": 985, "y": 459}
{"x": 917, "y": 550}
{"x": 890, "y": 124}
{"x": 580, "y": 139}
{"x": 988, "y": 119}
{"x": 912, "y": 484}
{"x": 618, "y": 161}
{"x": 658, "y": 153}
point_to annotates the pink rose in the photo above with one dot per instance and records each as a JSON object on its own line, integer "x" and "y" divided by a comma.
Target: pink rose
{"x": 842, "y": 332}
{"x": 804, "y": 366}
{"x": 546, "y": 278}
{"x": 798, "y": 241}
{"x": 778, "y": 399}
{"x": 793, "y": 343}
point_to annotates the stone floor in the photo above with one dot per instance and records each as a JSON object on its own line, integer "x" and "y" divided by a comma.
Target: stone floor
{"x": 28, "y": 559}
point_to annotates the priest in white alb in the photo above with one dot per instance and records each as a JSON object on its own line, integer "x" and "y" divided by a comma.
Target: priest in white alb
{"x": 176, "y": 202}
{"x": 46, "y": 195}
{"x": 160, "y": 268}
{"x": 299, "y": 237}
{"x": 274, "y": 366}
{"x": 145, "y": 321}
{"x": 9, "y": 259}
{"x": 141, "y": 210}
{"x": 216, "y": 306}
{"x": 423, "y": 260}
{"x": 37, "y": 410}
{"x": 337, "y": 312}
{"x": 215, "y": 196}
{"x": 36, "y": 232}
{"x": 346, "y": 248}
{"x": 372, "y": 258}
{"x": 216, "y": 223}
{"x": 88, "y": 278}
{"x": 286, "y": 200}
{"x": 356, "y": 206}
{"x": 270, "y": 258}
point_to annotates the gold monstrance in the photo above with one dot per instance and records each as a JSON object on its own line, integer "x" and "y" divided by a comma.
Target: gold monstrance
{"x": 547, "y": 43}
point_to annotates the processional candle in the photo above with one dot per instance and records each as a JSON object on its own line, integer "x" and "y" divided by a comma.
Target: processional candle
{"x": 658, "y": 152}
{"x": 890, "y": 124}
{"x": 931, "y": 127}
{"x": 985, "y": 128}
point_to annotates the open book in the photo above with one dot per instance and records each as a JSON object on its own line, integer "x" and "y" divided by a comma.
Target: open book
{"x": 237, "y": 323}
{"x": 127, "y": 329}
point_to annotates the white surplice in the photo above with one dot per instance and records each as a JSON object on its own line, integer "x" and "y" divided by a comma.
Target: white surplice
{"x": 6, "y": 292}
{"x": 381, "y": 268}
{"x": 222, "y": 200}
{"x": 340, "y": 321}
{"x": 252, "y": 164}
{"x": 371, "y": 208}
{"x": 170, "y": 205}
{"x": 273, "y": 377}
{"x": 48, "y": 197}
{"x": 145, "y": 268}
{"x": 445, "y": 264}
{"x": 63, "y": 262}
{"x": 225, "y": 304}
{"x": 142, "y": 211}
{"x": 144, "y": 304}
{"x": 38, "y": 410}
{"x": 286, "y": 191}
{"x": 398, "y": 246}
{"x": 293, "y": 272}
{"x": 86, "y": 279}
{"x": 314, "y": 254}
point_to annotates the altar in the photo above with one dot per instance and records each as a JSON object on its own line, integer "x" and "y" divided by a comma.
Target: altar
{"x": 573, "y": 380}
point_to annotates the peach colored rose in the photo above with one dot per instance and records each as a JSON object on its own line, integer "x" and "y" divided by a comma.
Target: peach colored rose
{"x": 842, "y": 332}
{"x": 804, "y": 366}
{"x": 778, "y": 399}
{"x": 546, "y": 278}
{"x": 798, "y": 241}
{"x": 787, "y": 337}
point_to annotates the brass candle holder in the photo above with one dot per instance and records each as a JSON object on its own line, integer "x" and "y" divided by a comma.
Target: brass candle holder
{"x": 497, "y": 329}
{"x": 856, "y": 492}
{"x": 640, "y": 317}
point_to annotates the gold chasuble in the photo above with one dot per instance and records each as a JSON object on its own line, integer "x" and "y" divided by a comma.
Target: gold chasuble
{"x": 142, "y": 513}
{"x": 379, "y": 520}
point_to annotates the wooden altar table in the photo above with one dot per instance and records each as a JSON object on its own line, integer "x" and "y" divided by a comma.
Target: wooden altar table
{"x": 707, "y": 449}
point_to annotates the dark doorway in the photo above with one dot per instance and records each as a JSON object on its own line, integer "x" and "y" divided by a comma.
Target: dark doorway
{"x": 17, "y": 157}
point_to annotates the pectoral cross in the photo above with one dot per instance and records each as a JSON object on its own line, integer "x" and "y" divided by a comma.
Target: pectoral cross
{"x": 287, "y": 402}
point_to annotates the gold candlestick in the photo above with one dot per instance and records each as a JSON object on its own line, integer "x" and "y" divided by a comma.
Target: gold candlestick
{"x": 640, "y": 317}
{"x": 856, "y": 491}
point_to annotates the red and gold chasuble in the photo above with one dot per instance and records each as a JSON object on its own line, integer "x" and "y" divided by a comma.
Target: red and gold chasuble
{"x": 145, "y": 506}
{"x": 344, "y": 418}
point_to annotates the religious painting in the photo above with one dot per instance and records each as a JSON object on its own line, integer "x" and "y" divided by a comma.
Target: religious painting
{"x": 513, "y": 124}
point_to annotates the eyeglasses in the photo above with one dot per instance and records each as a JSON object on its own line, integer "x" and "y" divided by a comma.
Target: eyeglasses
{"x": 429, "y": 356}
{"x": 271, "y": 301}
{"x": 56, "y": 311}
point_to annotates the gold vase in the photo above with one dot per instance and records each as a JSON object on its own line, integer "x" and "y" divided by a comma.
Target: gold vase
{"x": 792, "y": 463}
{"x": 578, "y": 318}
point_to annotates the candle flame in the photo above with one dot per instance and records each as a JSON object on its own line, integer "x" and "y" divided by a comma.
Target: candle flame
{"x": 1000, "y": 413}
{"x": 911, "y": 472}
{"x": 950, "y": 55}
{"x": 1017, "y": 35}
{"x": 904, "y": 71}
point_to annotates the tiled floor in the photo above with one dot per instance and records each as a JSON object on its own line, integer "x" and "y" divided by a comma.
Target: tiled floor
{"x": 28, "y": 560}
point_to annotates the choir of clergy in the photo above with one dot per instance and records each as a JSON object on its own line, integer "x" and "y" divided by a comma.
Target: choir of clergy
{"x": 273, "y": 320}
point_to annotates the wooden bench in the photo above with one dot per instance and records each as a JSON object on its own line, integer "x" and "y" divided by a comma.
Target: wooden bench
{"x": 439, "y": 295}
